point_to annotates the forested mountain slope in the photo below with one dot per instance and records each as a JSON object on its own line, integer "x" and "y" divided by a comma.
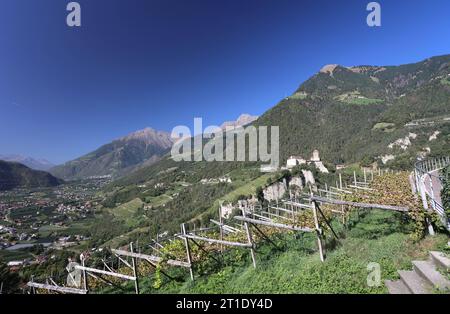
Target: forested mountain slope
{"x": 13, "y": 175}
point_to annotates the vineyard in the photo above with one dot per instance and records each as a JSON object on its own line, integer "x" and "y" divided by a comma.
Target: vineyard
{"x": 296, "y": 237}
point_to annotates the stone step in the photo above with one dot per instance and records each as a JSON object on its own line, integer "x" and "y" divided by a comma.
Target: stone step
{"x": 414, "y": 282}
{"x": 397, "y": 287}
{"x": 427, "y": 270}
{"x": 440, "y": 260}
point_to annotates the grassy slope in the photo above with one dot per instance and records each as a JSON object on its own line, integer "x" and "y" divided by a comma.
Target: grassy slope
{"x": 248, "y": 188}
{"x": 116, "y": 242}
{"x": 345, "y": 270}
{"x": 126, "y": 211}
{"x": 297, "y": 269}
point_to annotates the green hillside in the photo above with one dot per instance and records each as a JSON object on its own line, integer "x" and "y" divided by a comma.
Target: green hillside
{"x": 340, "y": 109}
{"x": 295, "y": 267}
{"x": 13, "y": 175}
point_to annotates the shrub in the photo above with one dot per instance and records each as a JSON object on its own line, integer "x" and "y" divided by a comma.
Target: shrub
{"x": 445, "y": 194}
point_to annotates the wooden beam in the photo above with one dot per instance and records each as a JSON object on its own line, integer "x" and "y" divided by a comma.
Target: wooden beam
{"x": 225, "y": 227}
{"x": 360, "y": 188}
{"x": 123, "y": 261}
{"x": 363, "y": 205}
{"x": 278, "y": 216}
{"x": 341, "y": 190}
{"x": 151, "y": 258}
{"x": 318, "y": 231}
{"x": 262, "y": 216}
{"x": 188, "y": 251}
{"x": 250, "y": 240}
{"x": 104, "y": 272}
{"x": 56, "y": 288}
{"x": 209, "y": 240}
{"x": 305, "y": 206}
{"x": 85, "y": 277}
{"x": 203, "y": 229}
{"x": 330, "y": 192}
{"x": 135, "y": 270}
{"x": 283, "y": 210}
{"x": 221, "y": 227}
{"x": 106, "y": 265}
{"x": 273, "y": 224}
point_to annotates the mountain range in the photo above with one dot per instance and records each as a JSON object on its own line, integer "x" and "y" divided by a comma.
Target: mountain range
{"x": 33, "y": 163}
{"x": 124, "y": 155}
{"x": 141, "y": 148}
{"x": 356, "y": 114}
{"x": 349, "y": 114}
{"x": 13, "y": 175}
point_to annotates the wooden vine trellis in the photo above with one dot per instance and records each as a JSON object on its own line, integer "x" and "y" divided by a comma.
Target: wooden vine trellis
{"x": 280, "y": 217}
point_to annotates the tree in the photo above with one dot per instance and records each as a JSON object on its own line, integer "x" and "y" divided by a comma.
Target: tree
{"x": 9, "y": 280}
{"x": 260, "y": 194}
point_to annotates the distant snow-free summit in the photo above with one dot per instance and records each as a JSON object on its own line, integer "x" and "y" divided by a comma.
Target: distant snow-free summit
{"x": 243, "y": 120}
{"x": 122, "y": 155}
{"x": 33, "y": 163}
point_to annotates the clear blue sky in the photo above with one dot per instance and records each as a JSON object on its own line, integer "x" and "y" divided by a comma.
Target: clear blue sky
{"x": 138, "y": 63}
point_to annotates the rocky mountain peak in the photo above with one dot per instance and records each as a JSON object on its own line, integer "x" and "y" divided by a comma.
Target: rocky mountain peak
{"x": 243, "y": 120}
{"x": 329, "y": 68}
{"x": 150, "y": 136}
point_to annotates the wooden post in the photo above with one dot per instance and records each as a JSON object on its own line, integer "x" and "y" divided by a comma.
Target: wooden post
{"x": 292, "y": 211}
{"x": 318, "y": 231}
{"x": 340, "y": 181}
{"x": 188, "y": 251}
{"x": 221, "y": 228}
{"x": 135, "y": 272}
{"x": 354, "y": 177}
{"x": 250, "y": 240}
{"x": 33, "y": 289}
{"x": 85, "y": 283}
{"x": 433, "y": 202}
